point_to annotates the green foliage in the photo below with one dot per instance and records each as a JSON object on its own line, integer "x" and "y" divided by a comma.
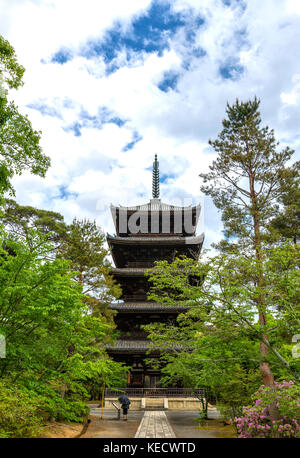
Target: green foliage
{"x": 236, "y": 390}
{"x": 246, "y": 183}
{"x": 202, "y": 417}
{"x": 19, "y": 142}
{"x": 245, "y": 180}
{"x": 53, "y": 346}
{"x": 19, "y": 219}
{"x": 21, "y": 415}
{"x": 11, "y": 72}
{"x": 84, "y": 248}
{"x": 19, "y": 145}
{"x": 286, "y": 224}
{"x": 216, "y": 342}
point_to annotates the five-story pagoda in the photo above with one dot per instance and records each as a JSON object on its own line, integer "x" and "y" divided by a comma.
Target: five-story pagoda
{"x": 145, "y": 234}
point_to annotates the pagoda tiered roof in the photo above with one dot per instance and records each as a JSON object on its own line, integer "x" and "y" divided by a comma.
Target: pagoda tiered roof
{"x": 144, "y": 251}
{"x": 151, "y": 240}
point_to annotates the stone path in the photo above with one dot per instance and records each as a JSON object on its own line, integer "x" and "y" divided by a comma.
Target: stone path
{"x": 155, "y": 424}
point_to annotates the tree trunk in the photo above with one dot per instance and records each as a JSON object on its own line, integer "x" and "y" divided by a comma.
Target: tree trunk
{"x": 264, "y": 366}
{"x": 265, "y": 369}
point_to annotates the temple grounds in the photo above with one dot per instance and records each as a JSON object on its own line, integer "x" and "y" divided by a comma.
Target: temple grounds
{"x": 156, "y": 424}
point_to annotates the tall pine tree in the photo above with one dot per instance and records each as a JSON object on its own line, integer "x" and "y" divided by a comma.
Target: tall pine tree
{"x": 245, "y": 184}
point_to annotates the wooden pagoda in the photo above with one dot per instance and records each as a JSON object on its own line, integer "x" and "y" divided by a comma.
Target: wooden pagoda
{"x": 145, "y": 234}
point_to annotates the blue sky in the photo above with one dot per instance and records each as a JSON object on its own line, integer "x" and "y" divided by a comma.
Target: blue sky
{"x": 110, "y": 84}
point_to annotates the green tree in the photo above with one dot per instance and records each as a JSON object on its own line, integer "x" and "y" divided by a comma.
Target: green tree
{"x": 287, "y": 222}
{"x": 19, "y": 220}
{"x": 53, "y": 346}
{"x": 11, "y": 72}
{"x": 19, "y": 142}
{"x": 84, "y": 248}
{"x": 217, "y": 340}
{"x": 81, "y": 243}
{"x": 245, "y": 184}
{"x": 21, "y": 414}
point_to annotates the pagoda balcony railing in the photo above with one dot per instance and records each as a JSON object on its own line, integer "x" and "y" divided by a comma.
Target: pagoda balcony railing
{"x": 156, "y": 392}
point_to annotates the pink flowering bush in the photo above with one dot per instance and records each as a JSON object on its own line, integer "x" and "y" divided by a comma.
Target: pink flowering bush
{"x": 284, "y": 398}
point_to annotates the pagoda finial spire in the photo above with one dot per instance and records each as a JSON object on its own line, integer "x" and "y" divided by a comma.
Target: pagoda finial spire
{"x": 155, "y": 178}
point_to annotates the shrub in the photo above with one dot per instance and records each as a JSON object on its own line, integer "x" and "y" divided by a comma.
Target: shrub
{"x": 20, "y": 414}
{"x": 256, "y": 420}
{"x": 68, "y": 409}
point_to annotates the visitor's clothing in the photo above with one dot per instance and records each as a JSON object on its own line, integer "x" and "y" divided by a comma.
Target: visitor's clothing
{"x": 124, "y": 401}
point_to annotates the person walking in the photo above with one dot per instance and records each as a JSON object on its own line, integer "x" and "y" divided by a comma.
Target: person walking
{"x": 125, "y": 402}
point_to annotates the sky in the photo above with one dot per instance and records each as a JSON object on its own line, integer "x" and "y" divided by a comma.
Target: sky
{"x": 111, "y": 84}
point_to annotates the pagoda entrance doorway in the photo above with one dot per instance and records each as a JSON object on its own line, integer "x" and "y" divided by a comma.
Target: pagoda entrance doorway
{"x": 136, "y": 379}
{"x": 141, "y": 377}
{"x": 140, "y": 380}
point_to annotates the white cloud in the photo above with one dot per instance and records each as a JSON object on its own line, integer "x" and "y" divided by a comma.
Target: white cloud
{"x": 293, "y": 7}
{"x": 293, "y": 96}
{"x": 38, "y": 28}
{"x": 93, "y": 167}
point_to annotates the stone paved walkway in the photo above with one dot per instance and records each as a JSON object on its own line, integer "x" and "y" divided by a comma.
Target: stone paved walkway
{"x": 155, "y": 424}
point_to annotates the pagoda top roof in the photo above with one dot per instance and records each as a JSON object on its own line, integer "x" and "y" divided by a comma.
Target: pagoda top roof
{"x": 155, "y": 205}
{"x": 156, "y": 217}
